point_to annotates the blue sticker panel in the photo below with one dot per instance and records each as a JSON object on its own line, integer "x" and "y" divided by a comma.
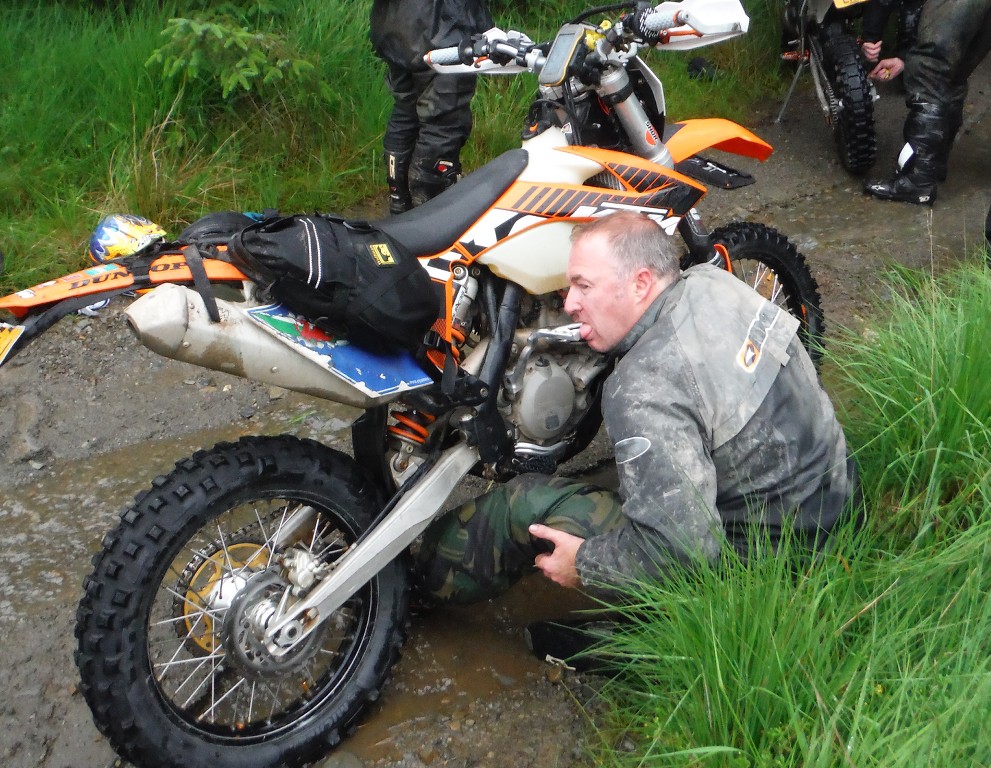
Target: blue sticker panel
{"x": 375, "y": 373}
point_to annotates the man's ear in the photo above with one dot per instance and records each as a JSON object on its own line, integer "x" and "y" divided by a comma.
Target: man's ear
{"x": 644, "y": 283}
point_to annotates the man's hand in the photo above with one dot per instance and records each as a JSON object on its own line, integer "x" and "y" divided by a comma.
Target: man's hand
{"x": 872, "y": 51}
{"x": 559, "y": 565}
{"x": 887, "y": 69}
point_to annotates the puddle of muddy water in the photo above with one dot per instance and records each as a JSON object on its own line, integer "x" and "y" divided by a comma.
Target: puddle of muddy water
{"x": 456, "y": 656}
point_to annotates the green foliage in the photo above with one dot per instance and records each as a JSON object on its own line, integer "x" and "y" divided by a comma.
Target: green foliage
{"x": 218, "y": 48}
{"x": 918, "y": 407}
{"x": 865, "y": 658}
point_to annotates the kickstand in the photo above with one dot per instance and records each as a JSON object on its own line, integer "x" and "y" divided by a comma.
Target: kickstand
{"x": 791, "y": 89}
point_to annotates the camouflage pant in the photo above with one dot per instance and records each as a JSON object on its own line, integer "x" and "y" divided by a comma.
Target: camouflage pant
{"x": 480, "y": 549}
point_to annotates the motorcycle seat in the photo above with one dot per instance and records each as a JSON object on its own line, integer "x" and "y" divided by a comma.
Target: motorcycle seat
{"x": 433, "y": 226}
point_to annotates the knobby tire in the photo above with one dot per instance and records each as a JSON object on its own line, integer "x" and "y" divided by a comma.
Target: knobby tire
{"x": 853, "y": 123}
{"x": 169, "y": 673}
{"x": 765, "y": 260}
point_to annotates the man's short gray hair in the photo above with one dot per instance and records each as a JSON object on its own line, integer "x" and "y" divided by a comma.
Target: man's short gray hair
{"x": 635, "y": 242}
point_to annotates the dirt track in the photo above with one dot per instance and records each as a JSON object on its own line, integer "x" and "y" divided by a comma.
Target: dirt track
{"x": 89, "y": 417}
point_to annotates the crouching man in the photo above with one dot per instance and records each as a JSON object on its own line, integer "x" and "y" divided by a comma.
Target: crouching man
{"x": 717, "y": 419}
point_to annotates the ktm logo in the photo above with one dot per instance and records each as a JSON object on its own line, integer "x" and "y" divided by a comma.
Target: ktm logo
{"x": 382, "y": 255}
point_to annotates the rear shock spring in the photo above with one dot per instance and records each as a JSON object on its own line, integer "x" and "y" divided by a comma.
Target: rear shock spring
{"x": 412, "y": 426}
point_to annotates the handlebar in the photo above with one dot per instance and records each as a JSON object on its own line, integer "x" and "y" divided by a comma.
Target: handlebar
{"x": 444, "y": 56}
{"x": 672, "y": 25}
{"x": 705, "y": 18}
{"x": 661, "y": 19}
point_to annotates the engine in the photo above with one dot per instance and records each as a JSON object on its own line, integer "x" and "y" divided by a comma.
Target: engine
{"x": 549, "y": 389}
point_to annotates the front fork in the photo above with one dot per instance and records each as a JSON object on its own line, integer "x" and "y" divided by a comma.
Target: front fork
{"x": 700, "y": 247}
{"x": 617, "y": 91}
{"x": 423, "y": 503}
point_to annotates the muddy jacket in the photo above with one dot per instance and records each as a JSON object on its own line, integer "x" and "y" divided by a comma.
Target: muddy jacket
{"x": 718, "y": 421}
{"x": 403, "y": 30}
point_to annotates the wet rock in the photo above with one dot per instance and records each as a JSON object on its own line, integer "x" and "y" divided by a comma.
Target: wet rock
{"x": 340, "y": 759}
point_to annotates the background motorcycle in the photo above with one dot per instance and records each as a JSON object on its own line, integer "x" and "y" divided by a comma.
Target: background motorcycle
{"x": 818, "y": 35}
{"x": 250, "y": 604}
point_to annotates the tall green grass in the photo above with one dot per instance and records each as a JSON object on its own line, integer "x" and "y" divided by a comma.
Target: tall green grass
{"x": 878, "y": 653}
{"x": 88, "y": 127}
{"x": 867, "y": 658}
{"x": 918, "y": 398}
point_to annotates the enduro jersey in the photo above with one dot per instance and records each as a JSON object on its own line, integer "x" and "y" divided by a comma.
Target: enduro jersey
{"x": 402, "y": 31}
{"x": 718, "y": 421}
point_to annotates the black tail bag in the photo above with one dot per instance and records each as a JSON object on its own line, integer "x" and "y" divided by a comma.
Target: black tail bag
{"x": 346, "y": 277}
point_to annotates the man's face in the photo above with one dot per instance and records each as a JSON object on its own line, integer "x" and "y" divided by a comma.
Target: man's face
{"x": 604, "y": 303}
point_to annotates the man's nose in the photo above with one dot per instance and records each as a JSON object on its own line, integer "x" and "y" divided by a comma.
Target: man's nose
{"x": 570, "y": 302}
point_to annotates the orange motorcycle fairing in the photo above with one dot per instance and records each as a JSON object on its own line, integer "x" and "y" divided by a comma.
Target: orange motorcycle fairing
{"x": 689, "y": 137}
{"x": 646, "y": 186}
{"x": 114, "y": 276}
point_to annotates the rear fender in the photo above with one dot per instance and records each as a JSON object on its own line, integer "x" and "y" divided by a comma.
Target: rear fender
{"x": 38, "y": 308}
{"x": 113, "y": 277}
{"x": 689, "y": 137}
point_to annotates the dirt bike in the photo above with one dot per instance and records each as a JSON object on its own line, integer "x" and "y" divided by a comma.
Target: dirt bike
{"x": 249, "y": 606}
{"x": 817, "y": 34}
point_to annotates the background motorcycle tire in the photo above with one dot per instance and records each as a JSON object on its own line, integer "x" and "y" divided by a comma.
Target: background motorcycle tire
{"x": 852, "y": 100}
{"x": 765, "y": 260}
{"x": 171, "y": 585}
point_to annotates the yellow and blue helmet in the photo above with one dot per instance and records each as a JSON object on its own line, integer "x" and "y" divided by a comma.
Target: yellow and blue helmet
{"x": 121, "y": 234}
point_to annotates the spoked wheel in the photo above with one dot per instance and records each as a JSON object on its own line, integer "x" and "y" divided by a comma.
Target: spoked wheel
{"x": 852, "y": 102}
{"x": 172, "y": 651}
{"x": 765, "y": 260}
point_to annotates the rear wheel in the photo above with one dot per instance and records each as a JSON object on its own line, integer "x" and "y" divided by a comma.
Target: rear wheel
{"x": 765, "y": 260}
{"x": 851, "y": 102}
{"x": 172, "y": 652}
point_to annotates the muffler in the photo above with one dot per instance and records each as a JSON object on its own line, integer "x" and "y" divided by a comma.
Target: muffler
{"x": 172, "y": 321}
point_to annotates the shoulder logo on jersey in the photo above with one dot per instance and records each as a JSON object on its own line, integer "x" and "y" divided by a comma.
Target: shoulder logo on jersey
{"x": 750, "y": 351}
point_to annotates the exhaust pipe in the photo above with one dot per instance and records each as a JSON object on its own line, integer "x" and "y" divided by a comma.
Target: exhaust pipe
{"x": 172, "y": 321}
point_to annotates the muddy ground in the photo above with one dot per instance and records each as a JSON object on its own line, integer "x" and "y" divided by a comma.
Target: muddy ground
{"x": 89, "y": 417}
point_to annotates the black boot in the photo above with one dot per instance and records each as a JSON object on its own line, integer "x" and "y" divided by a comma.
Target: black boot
{"x": 397, "y": 176}
{"x": 926, "y": 141}
{"x": 954, "y": 119}
{"x": 572, "y": 642}
{"x": 429, "y": 178}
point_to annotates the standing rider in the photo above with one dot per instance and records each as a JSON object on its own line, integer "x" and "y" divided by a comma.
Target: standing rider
{"x": 717, "y": 419}
{"x": 431, "y": 116}
{"x": 954, "y": 37}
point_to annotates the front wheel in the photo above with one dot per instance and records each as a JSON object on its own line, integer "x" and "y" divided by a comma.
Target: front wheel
{"x": 171, "y": 648}
{"x": 765, "y": 260}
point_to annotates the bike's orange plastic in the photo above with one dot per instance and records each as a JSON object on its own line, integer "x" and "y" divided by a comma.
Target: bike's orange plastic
{"x": 693, "y": 136}
{"x": 168, "y": 268}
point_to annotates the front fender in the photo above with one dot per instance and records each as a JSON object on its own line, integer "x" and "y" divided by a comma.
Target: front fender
{"x": 689, "y": 137}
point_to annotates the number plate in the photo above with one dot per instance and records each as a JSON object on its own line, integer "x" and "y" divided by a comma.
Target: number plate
{"x": 847, "y": 3}
{"x": 9, "y": 334}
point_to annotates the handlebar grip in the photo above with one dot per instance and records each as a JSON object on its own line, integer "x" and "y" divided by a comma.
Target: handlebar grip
{"x": 451, "y": 55}
{"x": 660, "y": 19}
